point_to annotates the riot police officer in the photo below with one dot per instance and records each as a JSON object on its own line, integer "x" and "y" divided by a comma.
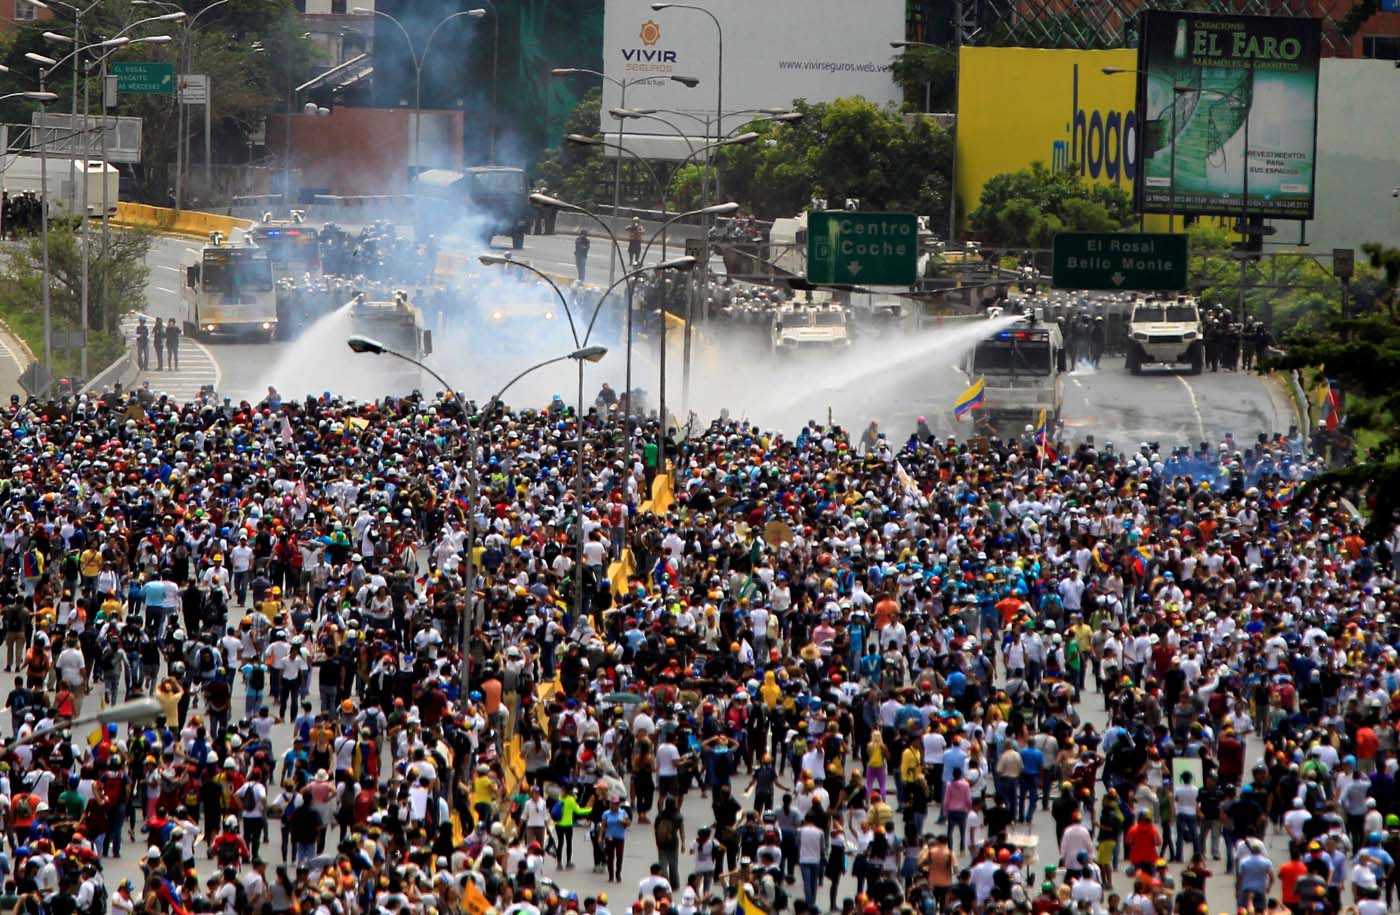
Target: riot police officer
{"x": 1213, "y": 343}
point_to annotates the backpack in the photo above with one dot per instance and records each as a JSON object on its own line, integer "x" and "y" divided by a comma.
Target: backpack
{"x": 240, "y": 897}
{"x": 256, "y": 678}
{"x": 556, "y": 811}
{"x": 665, "y": 830}
{"x": 206, "y": 659}
{"x": 23, "y": 808}
{"x": 98, "y": 906}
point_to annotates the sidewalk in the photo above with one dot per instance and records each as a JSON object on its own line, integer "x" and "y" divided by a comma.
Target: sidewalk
{"x": 197, "y": 367}
{"x": 14, "y": 359}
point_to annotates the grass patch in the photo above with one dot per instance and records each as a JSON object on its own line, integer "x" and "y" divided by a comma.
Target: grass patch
{"x": 28, "y": 325}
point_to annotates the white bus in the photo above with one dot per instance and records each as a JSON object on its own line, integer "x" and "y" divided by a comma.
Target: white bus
{"x": 228, "y": 291}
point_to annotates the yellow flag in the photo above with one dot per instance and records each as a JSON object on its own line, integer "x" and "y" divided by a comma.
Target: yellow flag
{"x": 746, "y": 905}
{"x": 662, "y": 495}
{"x": 620, "y": 571}
{"x": 474, "y": 901}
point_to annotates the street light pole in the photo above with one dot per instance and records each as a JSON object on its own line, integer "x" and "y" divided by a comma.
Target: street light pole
{"x": 581, "y": 140}
{"x": 361, "y": 344}
{"x": 418, "y": 59}
{"x": 86, "y": 140}
{"x": 679, "y": 263}
{"x": 622, "y": 84}
{"x": 183, "y": 59}
{"x": 701, "y": 280}
{"x": 953, "y": 134}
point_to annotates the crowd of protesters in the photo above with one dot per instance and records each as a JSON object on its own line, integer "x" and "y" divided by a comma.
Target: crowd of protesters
{"x": 880, "y": 664}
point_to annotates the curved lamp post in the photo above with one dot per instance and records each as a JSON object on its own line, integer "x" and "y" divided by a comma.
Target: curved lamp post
{"x": 679, "y": 263}
{"x": 689, "y": 82}
{"x": 362, "y": 344}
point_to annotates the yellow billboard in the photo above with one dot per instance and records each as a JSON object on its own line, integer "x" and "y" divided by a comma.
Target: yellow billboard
{"x": 1022, "y": 105}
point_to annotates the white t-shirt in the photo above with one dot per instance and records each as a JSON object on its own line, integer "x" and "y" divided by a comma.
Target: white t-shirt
{"x": 294, "y": 666}
{"x": 241, "y": 557}
{"x": 1186, "y": 799}
{"x": 253, "y": 797}
{"x": 536, "y": 813}
{"x": 666, "y": 757}
{"x": 70, "y": 666}
{"x": 809, "y": 845}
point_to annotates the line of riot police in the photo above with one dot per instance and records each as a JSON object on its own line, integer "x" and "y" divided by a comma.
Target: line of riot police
{"x": 1232, "y": 344}
{"x": 22, "y": 213}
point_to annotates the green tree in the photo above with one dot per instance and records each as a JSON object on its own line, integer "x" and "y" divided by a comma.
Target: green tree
{"x": 845, "y": 148}
{"x": 927, "y": 76}
{"x": 1288, "y": 290}
{"x": 116, "y": 279}
{"x": 584, "y": 174}
{"x": 1386, "y": 260}
{"x": 1028, "y": 207}
{"x": 117, "y": 285}
{"x": 1363, "y": 355}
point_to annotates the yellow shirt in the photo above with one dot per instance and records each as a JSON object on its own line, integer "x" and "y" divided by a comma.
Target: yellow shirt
{"x": 90, "y": 563}
{"x": 875, "y": 754}
{"x": 911, "y": 763}
{"x": 772, "y": 693}
{"x": 483, "y": 790}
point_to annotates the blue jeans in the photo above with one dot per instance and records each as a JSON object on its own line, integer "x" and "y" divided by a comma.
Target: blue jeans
{"x": 1187, "y": 831}
{"x": 811, "y": 873}
{"x": 1030, "y": 794}
{"x": 1006, "y": 790}
{"x": 957, "y": 822}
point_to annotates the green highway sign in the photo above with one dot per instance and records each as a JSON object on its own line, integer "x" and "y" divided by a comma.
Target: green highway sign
{"x": 867, "y": 249}
{"x": 1120, "y": 260}
{"x": 147, "y": 78}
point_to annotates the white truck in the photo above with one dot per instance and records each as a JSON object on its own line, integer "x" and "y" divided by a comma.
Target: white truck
{"x": 398, "y": 324}
{"x": 804, "y": 328}
{"x": 1165, "y": 332}
{"x": 64, "y": 178}
{"x": 1023, "y": 370}
{"x": 228, "y": 291}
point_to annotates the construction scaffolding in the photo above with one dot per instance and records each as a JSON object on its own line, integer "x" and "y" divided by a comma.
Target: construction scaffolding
{"x": 1100, "y": 24}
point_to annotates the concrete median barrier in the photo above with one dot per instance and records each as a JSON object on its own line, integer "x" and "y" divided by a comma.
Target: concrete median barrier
{"x": 185, "y": 223}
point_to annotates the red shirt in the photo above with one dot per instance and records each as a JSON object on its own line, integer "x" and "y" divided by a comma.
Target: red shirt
{"x": 1142, "y": 840}
{"x": 1288, "y": 876}
{"x": 1366, "y": 743}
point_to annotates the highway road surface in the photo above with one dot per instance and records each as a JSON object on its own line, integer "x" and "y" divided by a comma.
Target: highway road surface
{"x": 891, "y": 383}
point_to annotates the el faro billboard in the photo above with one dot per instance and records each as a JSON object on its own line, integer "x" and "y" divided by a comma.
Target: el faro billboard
{"x": 775, "y": 51}
{"x": 1218, "y": 92}
{"x": 1017, "y": 106}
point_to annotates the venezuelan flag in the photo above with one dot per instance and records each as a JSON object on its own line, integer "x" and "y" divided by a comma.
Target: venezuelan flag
{"x": 971, "y": 399}
{"x": 1142, "y": 555}
{"x": 1042, "y": 440}
{"x": 1100, "y": 556}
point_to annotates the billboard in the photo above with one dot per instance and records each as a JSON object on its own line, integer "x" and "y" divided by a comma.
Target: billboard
{"x": 774, "y": 52}
{"x": 1217, "y": 91}
{"x": 1022, "y": 105}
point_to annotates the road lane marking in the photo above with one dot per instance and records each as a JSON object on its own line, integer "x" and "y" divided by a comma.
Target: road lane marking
{"x": 163, "y": 289}
{"x": 168, "y": 267}
{"x": 198, "y": 367}
{"x": 1195, "y": 407}
{"x": 12, "y": 355}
